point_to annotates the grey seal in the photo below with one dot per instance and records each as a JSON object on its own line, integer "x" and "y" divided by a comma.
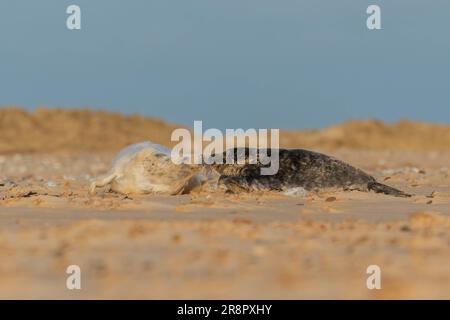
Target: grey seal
{"x": 146, "y": 168}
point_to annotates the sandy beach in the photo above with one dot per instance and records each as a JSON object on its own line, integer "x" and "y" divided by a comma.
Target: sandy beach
{"x": 214, "y": 245}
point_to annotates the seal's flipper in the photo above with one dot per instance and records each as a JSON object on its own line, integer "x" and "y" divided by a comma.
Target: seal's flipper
{"x": 382, "y": 188}
{"x": 250, "y": 183}
{"x": 234, "y": 184}
{"x": 101, "y": 182}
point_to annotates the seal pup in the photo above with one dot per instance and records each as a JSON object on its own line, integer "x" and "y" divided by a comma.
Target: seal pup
{"x": 310, "y": 170}
{"x": 145, "y": 168}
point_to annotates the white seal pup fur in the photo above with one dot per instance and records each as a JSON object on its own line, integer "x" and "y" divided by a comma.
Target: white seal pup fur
{"x": 146, "y": 168}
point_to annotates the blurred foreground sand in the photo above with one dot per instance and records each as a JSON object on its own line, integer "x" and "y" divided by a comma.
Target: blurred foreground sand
{"x": 215, "y": 245}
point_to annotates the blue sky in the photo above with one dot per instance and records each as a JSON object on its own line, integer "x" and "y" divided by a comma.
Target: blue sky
{"x": 230, "y": 63}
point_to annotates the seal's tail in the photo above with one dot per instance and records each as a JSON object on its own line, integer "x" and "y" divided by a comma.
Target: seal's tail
{"x": 382, "y": 188}
{"x": 101, "y": 182}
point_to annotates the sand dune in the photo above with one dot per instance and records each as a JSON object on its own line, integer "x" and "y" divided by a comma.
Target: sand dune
{"x": 56, "y": 130}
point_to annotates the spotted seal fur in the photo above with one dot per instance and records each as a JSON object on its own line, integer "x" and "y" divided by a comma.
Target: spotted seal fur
{"x": 310, "y": 170}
